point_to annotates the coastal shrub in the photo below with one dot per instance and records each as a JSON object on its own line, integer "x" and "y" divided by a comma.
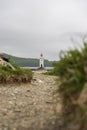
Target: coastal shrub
{"x": 49, "y": 72}
{"x": 72, "y": 71}
{"x": 7, "y": 75}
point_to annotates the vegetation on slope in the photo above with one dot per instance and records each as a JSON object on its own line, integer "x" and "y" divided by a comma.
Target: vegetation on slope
{"x": 19, "y": 75}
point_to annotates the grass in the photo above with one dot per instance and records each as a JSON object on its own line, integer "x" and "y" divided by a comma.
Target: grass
{"x": 19, "y": 75}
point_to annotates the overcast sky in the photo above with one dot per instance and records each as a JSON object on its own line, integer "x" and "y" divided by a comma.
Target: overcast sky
{"x": 29, "y": 27}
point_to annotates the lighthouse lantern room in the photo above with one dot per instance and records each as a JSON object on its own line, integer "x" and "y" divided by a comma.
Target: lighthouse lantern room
{"x": 41, "y": 61}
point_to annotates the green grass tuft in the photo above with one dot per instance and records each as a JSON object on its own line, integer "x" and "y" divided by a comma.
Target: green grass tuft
{"x": 19, "y": 75}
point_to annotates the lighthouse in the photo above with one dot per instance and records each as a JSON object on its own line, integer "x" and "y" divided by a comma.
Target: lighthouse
{"x": 41, "y": 61}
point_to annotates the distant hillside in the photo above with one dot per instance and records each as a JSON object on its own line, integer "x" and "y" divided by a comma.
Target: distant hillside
{"x": 25, "y": 62}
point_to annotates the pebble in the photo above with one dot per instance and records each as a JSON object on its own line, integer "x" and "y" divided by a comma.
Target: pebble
{"x": 30, "y": 105}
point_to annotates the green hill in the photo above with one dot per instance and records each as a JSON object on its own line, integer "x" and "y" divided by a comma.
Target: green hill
{"x": 28, "y": 62}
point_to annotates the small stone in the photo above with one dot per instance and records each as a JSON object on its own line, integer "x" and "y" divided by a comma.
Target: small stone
{"x": 10, "y": 102}
{"x": 17, "y": 110}
{"x": 12, "y": 94}
{"x": 35, "y": 103}
{"x": 53, "y": 123}
{"x": 28, "y": 90}
{"x": 14, "y": 98}
{"x": 49, "y": 102}
{"x": 34, "y": 79}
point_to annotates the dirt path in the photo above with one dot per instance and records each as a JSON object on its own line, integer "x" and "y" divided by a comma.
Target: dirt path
{"x": 32, "y": 106}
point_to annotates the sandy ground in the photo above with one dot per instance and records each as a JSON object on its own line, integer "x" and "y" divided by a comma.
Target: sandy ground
{"x": 34, "y": 106}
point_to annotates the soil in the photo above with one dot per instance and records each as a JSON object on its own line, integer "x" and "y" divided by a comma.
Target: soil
{"x": 33, "y": 106}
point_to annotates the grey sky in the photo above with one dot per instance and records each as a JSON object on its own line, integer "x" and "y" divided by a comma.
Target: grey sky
{"x": 29, "y": 27}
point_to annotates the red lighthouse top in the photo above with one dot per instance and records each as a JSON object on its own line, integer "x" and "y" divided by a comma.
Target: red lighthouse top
{"x": 41, "y": 55}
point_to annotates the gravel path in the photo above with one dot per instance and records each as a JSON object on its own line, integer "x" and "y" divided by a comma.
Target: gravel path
{"x": 33, "y": 106}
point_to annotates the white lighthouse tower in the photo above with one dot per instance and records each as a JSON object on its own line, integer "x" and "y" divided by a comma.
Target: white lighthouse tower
{"x": 41, "y": 61}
